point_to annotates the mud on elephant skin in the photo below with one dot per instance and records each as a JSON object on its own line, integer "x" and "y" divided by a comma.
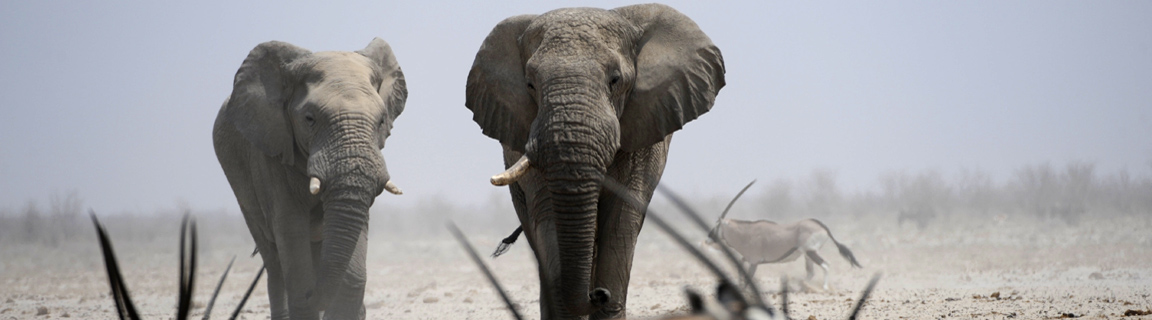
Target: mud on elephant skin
{"x": 577, "y": 95}
{"x": 299, "y": 140}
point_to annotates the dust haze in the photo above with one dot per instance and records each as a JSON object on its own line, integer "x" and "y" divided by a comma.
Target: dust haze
{"x": 1051, "y": 241}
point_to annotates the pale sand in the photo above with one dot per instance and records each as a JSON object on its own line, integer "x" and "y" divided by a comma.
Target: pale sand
{"x": 1041, "y": 270}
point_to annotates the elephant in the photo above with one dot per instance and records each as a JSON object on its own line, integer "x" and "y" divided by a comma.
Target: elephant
{"x": 300, "y": 142}
{"x": 577, "y": 97}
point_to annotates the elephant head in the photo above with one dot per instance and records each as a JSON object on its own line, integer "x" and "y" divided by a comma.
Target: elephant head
{"x": 326, "y": 116}
{"x": 570, "y": 89}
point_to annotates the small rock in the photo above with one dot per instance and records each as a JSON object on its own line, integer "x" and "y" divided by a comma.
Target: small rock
{"x": 431, "y": 300}
{"x": 655, "y": 306}
{"x": 65, "y": 315}
{"x": 5, "y": 310}
{"x": 468, "y": 300}
{"x": 41, "y": 311}
{"x": 375, "y": 305}
{"x": 9, "y": 301}
{"x": 448, "y": 294}
{"x": 811, "y": 317}
{"x": 1096, "y": 276}
{"x": 413, "y": 294}
{"x": 995, "y": 295}
{"x": 1131, "y": 312}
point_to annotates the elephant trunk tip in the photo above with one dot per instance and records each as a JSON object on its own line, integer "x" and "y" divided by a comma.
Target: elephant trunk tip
{"x": 314, "y": 185}
{"x": 599, "y": 297}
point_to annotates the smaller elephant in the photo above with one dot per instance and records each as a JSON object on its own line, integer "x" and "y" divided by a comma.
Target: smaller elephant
{"x": 299, "y": 140}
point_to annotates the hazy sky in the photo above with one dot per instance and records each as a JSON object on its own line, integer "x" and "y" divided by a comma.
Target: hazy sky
{"x": 117, "y": 100}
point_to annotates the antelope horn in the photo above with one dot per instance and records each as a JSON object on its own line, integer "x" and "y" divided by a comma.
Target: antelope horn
{"x": 513, "y": 173}
{"x": 392, "y": 188}
{"x": 314, "y": 185}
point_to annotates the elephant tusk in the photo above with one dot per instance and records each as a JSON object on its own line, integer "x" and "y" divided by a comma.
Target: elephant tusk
{"x": 314, "y": 185}
{"x": 513, "y": 173}
{"x": 391, "y": 187}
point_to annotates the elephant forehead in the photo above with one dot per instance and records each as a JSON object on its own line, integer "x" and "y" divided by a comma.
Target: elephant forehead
{"x": 338, "y": 66}
{"x": 579, "y": 31}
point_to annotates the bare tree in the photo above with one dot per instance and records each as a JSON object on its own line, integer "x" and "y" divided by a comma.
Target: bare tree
{"x": 823, "y": 195}
{"x": 975, "y": 190}
{"x": 64, "y": 215}
{"x": 777, "y": 199}
{"x": 32, "y": 222}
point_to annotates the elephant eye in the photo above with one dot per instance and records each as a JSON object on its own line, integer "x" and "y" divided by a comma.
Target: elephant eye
{"x": 531, "y": 87}
{"x": 308, "y": 118}
{"x": 614, "y": 81}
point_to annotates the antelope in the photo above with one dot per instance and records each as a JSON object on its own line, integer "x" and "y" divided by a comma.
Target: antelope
{"x": 762, "y": 241}
{"x": 730, "y": 303}
{"x": 125, "y": 309}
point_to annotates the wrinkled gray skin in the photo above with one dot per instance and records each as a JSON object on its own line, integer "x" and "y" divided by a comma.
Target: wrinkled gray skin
{"x": 293, "y": 115}
{"x": 589, "y": 94}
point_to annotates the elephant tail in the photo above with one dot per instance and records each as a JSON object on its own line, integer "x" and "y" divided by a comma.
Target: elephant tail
{"x": 507, "y": 242}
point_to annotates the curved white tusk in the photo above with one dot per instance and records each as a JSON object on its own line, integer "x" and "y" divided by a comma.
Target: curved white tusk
{"x": 391, "y": 187}
{"x": 314, "y": 185}
{"x": 513, "y": 173}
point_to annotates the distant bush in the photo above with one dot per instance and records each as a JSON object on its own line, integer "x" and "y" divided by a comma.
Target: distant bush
{"x": 1042, "y": 190}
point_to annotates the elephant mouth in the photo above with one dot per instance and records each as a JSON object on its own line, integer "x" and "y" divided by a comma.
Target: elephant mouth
{"x": 314, "y": 187}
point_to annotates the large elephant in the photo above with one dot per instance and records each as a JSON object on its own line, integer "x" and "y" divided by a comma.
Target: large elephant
{"x": 299, "y": 140}
{"x": 576, "y": 96}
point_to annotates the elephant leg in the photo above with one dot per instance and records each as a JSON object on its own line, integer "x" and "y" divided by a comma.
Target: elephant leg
{"x": 543, "y": 242}
{"x": 530, "y": 200}
{"x": 349, "y": 301}
{"x": 261, "y": 234}
{"x": 619, "y": 223}
{"x": 277, "y": 293}
{"x": 615, "y": 245}
{"x": 295, "y": 246}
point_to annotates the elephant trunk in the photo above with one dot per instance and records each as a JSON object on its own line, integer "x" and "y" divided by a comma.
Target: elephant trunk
{"x": 574, "y": 146}
{"x": 575, "y": 205}
{"x": 352, "y": 172}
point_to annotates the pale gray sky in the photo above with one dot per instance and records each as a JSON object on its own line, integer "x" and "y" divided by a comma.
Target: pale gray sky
{"x": 117, "y": 100}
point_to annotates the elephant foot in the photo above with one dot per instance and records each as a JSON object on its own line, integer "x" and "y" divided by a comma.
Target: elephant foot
{"x": 613, "y": 310}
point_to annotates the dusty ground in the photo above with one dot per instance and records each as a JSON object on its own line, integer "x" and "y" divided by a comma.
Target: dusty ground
{"x": 1020, "y": 268}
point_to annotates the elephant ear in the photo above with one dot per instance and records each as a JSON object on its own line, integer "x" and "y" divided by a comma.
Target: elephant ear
{"x": 497, "y": 91}
{"x": 393, "y": 89}
{"x": 259, "y": 94}
{"x": 678, "y": 74}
